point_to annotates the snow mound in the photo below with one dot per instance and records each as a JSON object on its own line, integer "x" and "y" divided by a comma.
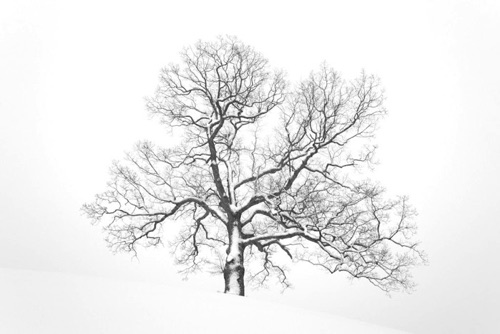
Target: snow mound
{"x": 42, "y": 302}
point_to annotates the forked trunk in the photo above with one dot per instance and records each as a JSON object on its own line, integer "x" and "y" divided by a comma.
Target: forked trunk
{"x": 234, "y": 270}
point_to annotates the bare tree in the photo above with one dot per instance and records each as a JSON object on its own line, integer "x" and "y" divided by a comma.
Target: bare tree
{"x": 258, "y": 194}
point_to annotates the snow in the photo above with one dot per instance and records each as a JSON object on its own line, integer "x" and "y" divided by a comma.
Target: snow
{"x": 44, "y": 302}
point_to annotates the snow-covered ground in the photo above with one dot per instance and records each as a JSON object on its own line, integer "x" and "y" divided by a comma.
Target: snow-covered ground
{"x": 44, "y": 302}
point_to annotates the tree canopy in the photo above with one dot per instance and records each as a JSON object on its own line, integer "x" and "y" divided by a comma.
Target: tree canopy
{"x": 265, "y": 169}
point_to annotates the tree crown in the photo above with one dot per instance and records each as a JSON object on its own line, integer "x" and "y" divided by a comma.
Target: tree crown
{"x": 290, "y": 190}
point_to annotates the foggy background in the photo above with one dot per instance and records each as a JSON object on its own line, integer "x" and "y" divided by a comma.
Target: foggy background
{"x": 73, "y": 77}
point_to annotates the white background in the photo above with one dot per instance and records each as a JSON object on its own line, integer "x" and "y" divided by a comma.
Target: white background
{"x": 73, "y": 77}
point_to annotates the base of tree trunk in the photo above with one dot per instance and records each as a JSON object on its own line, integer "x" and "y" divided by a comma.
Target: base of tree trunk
{"x": 234, "y": 276}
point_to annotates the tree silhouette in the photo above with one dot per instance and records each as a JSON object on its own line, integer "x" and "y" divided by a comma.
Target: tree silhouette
{"x": 246, "y": 194}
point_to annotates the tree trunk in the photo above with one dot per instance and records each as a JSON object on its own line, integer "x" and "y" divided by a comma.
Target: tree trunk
{"x": 234, "y": 270}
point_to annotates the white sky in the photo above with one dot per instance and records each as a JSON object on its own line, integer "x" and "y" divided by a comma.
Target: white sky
{"x": 72, "y": 82}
